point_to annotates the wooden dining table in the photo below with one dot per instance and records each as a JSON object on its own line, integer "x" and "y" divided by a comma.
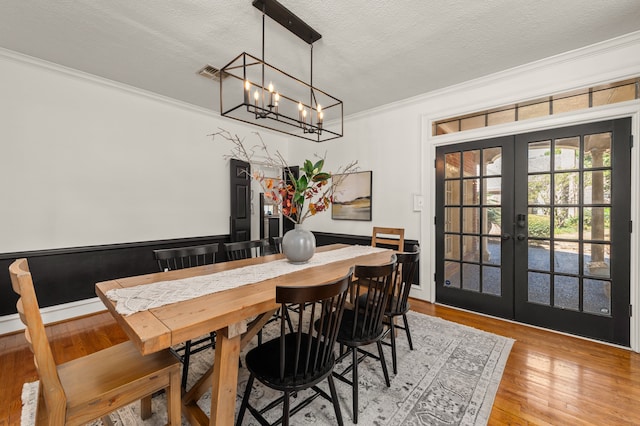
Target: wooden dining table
{"x": 227, "y": 312}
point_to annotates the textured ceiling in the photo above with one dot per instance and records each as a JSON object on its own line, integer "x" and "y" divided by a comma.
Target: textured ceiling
{"x": 371, "y": 52}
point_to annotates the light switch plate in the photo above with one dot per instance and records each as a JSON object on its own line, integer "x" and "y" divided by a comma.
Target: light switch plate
{"x": 418, "y": 202}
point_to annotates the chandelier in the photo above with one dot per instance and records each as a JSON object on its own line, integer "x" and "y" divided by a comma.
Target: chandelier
{"x": 257, "y": 93}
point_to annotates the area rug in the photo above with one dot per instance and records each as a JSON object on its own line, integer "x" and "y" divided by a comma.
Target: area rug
{"x": 450, "y": 378}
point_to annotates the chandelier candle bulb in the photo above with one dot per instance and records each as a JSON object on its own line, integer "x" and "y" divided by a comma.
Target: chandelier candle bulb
{"x": 304, "y": 118}
{"x": 277, "y": 101}
{"x": 256, "y": 96}
{"x": 270, "y": 94}
{"x": 247, "y": 90}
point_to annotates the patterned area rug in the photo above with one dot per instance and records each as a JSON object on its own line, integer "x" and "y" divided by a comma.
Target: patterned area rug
{"x": 450, "y": 378}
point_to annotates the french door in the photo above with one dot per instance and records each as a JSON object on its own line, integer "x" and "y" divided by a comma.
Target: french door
{"x": 536, "y": 228}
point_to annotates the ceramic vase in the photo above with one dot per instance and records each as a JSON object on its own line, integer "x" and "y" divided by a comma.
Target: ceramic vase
{"x": 298, "y": 245}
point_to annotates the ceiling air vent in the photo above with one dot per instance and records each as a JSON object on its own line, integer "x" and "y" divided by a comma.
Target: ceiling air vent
{"x": 210, "y": 72}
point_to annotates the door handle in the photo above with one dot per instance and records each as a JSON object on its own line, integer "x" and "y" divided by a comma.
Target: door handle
{"x": 521, "y": 237}
{"x": 506, "y": 237}
{"x": 521, "y": 220}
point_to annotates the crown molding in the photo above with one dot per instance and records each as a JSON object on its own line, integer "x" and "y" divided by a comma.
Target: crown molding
{"x": 21, "y": 58}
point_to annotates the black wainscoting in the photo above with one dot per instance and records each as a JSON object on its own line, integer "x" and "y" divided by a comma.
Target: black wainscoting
{"x": 70, "y": 274}
{"x": 325, "y": 238}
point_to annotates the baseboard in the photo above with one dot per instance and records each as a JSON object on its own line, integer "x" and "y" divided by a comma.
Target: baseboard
{"x": 11, "y": 323}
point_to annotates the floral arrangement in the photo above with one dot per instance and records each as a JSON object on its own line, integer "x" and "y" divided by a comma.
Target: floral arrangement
{"x": 298, "y": 198}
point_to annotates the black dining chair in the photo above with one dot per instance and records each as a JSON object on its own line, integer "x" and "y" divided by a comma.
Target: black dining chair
{"x": 300, "y": 359}
{"x": 277, "y": 244}
{"x": 187, "y": 257}
{"x": 246, "y": 249}
{"x": 398, "y": 304}
{"x": 362, "y": 323}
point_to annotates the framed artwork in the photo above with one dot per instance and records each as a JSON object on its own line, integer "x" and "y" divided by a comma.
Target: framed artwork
{"x": 352, "y": 197}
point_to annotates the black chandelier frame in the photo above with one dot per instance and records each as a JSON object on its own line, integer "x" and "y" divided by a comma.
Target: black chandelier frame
{"x": 274, "y": 110}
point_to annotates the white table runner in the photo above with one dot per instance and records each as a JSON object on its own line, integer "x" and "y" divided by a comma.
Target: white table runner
{"x": 141, "y": 298}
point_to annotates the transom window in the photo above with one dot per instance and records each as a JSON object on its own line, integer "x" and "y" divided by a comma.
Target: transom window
{"x": 605, "y": 94}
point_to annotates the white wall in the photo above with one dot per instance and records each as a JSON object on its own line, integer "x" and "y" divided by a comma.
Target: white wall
{"x": 388, "y": 143}
{"x": 85, "y": 161}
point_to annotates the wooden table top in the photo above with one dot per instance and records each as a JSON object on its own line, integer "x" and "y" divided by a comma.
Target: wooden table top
{"x": 161, "y": 327}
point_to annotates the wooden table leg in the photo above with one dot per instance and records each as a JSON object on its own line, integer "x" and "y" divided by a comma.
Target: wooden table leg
{"x": 222, "y": 376}
{"x": 224, "y": 385}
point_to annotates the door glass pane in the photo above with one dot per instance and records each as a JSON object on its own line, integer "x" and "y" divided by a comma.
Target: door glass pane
{"x": 452, "y": 192}
{"x": 539, "y": 288}
{"x": 539, "y": 255}
{"x": 565, "y": 222}
{"x": 492, "y": 161}
{"x": 566, "y": 293}
{"x": 597, "y": 150}
{"x": 567, "y": 188}
{"x": 471, "y": 191}
{"x": 471, "y": 277}
{"x": 539, "y": 223}
{"x": 614, "y": 95}
{"x": 567, "y": 154}
{"x": 539, "y": 189}
{"x": 597, "y": 260}
{"x": 452, "y": 219}
{"x": 491, "y": 250}
{"x": 538, "y": 109}
{"x": 502, "y": 116}
{"x": 571, "y": 103}
{"x": 452, "y": 274}
{"x": 471, "y": 163}
{"x": 597, "y": 297}
{"x": 492, "y": 220}
{"x": 597, "y": 187}
{"x": 471, "y": 220}
{"x": 491, "y": 281}
{"x": 471, "y": 248}
{"x": 492, "y": 190}
{"x": 597, "y": 223}
{"x": 452, "y": 165}
{"x": 472, "y": 122}
{"x": 452, "y": 247}
{"x": 566, "y": 257}
{"x": 539, "y": 156}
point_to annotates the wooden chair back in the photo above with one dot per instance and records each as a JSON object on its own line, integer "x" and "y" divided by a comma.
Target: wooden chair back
{"x": 402, "y": 281}
{"x": 306, "y": 354}
{"x": 186, "y": 257}
{"x": 388, "y": 237}
{"x": 369, "y": 311}
{"x": 245, "y": 249}
{"x": 29, "y": 311}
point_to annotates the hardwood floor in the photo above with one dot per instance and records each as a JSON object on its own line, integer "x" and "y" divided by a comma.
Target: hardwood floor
{"x": 550, "y": 379}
